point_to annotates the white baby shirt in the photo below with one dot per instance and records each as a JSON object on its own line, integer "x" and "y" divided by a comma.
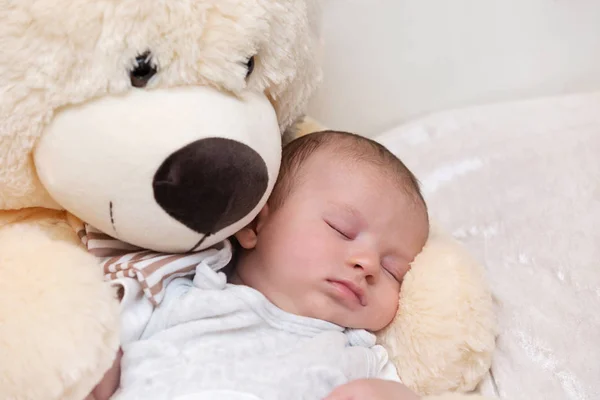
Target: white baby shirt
{"x": 210, "y": 340}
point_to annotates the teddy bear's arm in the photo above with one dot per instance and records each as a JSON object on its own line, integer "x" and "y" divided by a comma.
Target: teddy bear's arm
{"x": 63, "y": 330}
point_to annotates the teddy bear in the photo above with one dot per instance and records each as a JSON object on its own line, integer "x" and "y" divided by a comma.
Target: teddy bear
{"x": 160, "y": 124}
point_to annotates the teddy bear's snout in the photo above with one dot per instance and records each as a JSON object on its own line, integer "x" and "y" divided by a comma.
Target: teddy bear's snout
{"x": 211, "y": 183}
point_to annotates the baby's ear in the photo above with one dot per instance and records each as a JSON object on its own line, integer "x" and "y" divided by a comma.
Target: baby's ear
{"x": 248, "y": 236}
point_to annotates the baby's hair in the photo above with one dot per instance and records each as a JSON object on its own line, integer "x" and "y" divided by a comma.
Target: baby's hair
{"x": 346, "y": 145}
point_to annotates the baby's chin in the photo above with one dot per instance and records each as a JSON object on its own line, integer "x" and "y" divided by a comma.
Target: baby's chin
{"x": 368, "y": 325}
{"x": 324, "y": 308}
{"x": 354, "y": 321}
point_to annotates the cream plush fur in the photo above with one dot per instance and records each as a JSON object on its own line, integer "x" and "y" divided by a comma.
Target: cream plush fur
{"x": 58, "y": 320}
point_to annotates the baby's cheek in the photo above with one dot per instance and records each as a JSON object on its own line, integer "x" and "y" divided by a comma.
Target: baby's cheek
{"x": 309, "y": 254}
{"x": 386, "y": 308}
{"x": 300, "y": 259}
{"x": 320, "y": 247}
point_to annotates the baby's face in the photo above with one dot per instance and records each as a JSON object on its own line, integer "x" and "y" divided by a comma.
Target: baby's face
{"x": 339, "y": 246}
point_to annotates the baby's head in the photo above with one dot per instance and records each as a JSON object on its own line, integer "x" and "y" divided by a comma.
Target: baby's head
{"x": 345, "y": 220}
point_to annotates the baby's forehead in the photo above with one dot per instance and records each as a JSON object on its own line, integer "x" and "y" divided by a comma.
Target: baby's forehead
{"x": 343, "y": 154}
{"x": 349, "y": 155}
{"x": 380, "y": 170}
{"x": 334, "y": 167}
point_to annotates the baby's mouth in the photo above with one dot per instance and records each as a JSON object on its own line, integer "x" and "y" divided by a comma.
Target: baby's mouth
{"x": 350, "y": 289}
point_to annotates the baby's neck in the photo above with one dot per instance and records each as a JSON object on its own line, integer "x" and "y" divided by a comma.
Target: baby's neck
{"x": 236, "y": 272}
{"x": 234, "y": 278}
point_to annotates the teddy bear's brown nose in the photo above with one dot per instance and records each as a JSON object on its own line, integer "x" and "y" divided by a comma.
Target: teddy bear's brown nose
{"x": 211, "y": 183}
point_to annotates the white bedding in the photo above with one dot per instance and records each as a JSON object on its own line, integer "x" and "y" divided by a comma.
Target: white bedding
{"x": 519, "y": 184}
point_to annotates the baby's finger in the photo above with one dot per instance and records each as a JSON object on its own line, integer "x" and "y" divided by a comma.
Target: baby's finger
{"x": 340, "y": 393}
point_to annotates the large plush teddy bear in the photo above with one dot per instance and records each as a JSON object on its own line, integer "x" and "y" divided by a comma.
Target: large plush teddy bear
{"x": 159, "y": 123}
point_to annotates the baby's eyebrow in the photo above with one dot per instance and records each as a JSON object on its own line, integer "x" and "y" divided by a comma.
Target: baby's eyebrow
{"x": 351, "y": 211}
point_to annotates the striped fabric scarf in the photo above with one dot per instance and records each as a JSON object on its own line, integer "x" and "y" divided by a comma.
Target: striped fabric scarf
{"x": 153, "y": 270}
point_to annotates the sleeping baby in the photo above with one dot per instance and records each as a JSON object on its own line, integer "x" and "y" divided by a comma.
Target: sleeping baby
{"x": 319, "y": 270}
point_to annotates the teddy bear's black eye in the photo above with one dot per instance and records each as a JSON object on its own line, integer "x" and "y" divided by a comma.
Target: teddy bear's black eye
{"x": 143, "y": 70}
{"x": 250, "y": 66}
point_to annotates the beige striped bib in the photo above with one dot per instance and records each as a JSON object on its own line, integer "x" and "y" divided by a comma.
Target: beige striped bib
{"x": 153, "y": 270}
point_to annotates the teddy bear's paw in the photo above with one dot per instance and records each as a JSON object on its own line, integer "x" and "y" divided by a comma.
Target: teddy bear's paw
{"x": 444, "y": 334}
{"x": 58, "y": 319}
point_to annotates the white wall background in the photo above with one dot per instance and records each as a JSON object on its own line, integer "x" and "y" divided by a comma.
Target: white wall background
{"x": 389, "y": 60}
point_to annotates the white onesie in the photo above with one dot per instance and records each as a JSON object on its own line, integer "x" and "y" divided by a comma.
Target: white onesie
{"x": 211, "y": 340}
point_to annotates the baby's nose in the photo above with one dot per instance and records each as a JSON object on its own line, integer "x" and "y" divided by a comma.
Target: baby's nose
{"x": 368, "y": 265}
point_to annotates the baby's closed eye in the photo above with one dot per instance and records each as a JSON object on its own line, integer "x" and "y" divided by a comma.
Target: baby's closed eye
{"x": 343, "y": 228}
{"x": 393, "y": 268}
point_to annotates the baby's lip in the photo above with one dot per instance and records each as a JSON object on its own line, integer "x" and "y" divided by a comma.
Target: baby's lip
{"x": 354, "y": 288}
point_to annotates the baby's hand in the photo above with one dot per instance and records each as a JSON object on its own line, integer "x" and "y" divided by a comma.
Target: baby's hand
{"x": 110, "y": 382}
{"x": 372, "y": 389}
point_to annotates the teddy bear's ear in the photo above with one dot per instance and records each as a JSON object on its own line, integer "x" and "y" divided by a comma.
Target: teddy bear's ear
{"x": 292, "y": 88}
{"x": 303, "y": 126}
{"x": 443, "y": 336}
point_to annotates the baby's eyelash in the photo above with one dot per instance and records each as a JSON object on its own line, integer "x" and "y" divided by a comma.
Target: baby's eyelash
{"x": 337, "y": 230}
{"x": 398, "y": 279}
